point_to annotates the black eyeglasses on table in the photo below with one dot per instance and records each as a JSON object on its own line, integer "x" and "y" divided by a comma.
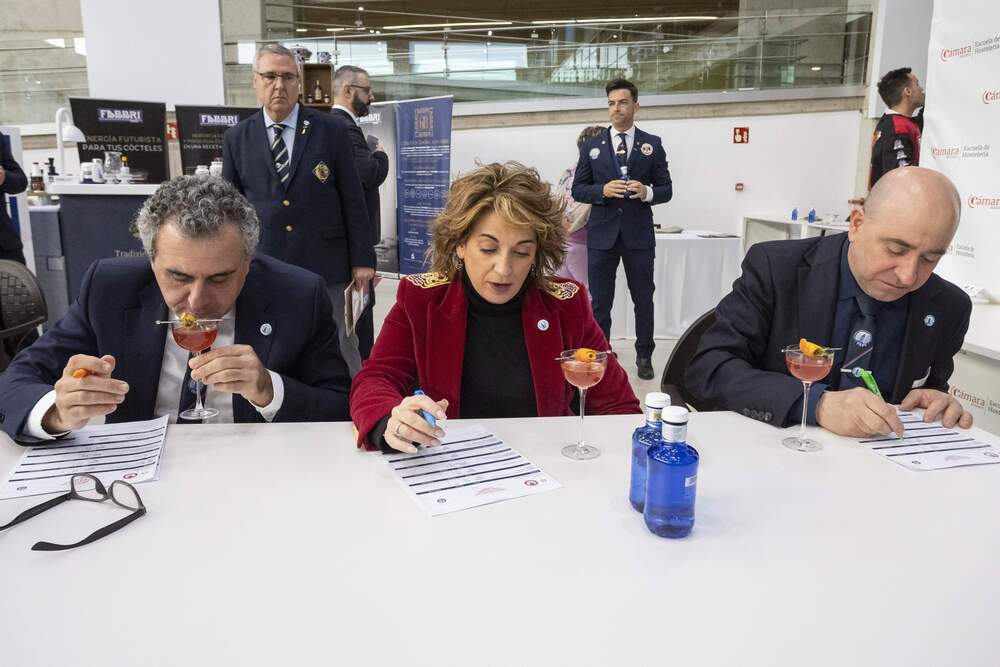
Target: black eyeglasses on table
{"x": 89, "y": 488}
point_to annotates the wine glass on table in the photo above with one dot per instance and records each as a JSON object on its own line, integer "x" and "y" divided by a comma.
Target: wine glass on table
{"x": 810, "y": 363}
{"x": 582, "y": 368}
{"x": 194, "y": 335}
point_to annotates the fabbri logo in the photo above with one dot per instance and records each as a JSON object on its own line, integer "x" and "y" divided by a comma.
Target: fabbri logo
{"x": 960, "y": 52}
{"x": 990, "y": 96}
{"x": 978, "y": 201}
{"x": 119, "y": 115}
{"x": 209, "y": 119}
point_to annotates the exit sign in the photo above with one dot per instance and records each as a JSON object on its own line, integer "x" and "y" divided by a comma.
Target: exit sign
{"x": 741, "y": 135}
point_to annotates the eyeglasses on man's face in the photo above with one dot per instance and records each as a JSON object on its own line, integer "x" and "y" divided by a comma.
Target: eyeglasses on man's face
{"x": 367, "y": 89}
{"x": 89, "y": 488}
{"x": 271, "y": 78}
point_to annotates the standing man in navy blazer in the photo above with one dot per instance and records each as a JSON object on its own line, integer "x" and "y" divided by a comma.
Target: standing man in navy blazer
{"x": 353, "y": 96}
{"x": 12, "y": 182}
{"x": 276, "y": 357}
{"x": 623, "y": 173}
{"x": 296, "y": 166}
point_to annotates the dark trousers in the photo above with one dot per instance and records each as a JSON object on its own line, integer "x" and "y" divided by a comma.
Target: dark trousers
{"x": 365, "y": 329}
{"x": 602, "y": 265}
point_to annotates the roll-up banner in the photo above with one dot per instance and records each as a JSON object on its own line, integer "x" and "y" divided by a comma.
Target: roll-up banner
{"x": 200, "y": 130}
{"x": 423, "y": 163}
{"x": 138, "y": 130}
{"x": 379, "y": 127}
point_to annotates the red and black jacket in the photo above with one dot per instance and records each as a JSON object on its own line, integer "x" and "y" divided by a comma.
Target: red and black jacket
{"x": 896, "y": 143}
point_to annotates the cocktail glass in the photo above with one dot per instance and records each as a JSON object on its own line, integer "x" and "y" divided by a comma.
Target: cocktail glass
{"x": 196, "y": 339}
{"x": 809, "y": 368}
{"x": 582, "y": 375}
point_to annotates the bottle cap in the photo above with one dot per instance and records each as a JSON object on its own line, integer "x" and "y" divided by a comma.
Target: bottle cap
{"x": 657, "y": 399}
{"x": 675, "y": 414}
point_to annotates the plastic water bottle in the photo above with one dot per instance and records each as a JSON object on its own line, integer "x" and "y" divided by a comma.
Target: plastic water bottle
{"x": 671, "y": 478}
{"x": 795, "y": 214}
{"x": 624, "y": 171}
{"x": 644, "y": 437}
{"x": 812, "y": 215}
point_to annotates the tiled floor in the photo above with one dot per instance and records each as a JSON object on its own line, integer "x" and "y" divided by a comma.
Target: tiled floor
{"x": 385, "y": 296}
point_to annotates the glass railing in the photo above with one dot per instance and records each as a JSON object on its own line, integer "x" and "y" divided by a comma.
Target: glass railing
{"x": 553, "y": 59}
{"x": 39, "y": 76}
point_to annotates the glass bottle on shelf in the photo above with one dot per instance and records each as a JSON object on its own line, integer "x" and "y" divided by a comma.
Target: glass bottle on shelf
{"x": 318, "y": 92}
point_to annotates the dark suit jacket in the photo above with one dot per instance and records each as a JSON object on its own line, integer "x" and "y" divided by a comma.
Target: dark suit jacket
{"x": 14, "y": 183}
{"x": 115, "y": 314}
{"x": 788, "y": 291}
{"x": 318, "y": 220}
{"x": 373, "y": 167}
{"x": 632, "y": 217}
{"x": 422, "y": 344}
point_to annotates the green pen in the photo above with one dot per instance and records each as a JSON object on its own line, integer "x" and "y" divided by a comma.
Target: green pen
{"x": 869, "y": 380}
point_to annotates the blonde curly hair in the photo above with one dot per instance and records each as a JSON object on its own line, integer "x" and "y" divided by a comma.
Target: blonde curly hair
{"x": 518, "y": 195}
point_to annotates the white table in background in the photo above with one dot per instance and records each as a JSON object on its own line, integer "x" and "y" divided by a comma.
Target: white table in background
{"x": 282, "y": 544}
{"x": 773, "y": 227}
{"x": 691, "y": 274}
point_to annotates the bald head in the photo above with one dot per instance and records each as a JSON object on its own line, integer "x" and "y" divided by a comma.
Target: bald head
{"x": 904, "y": 229}
{"x": 915, "y": 190}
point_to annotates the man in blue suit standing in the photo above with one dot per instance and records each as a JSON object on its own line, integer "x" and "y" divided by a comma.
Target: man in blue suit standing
{"x": 275, "y": 358}
{"x": 296, "y": 166}
{"x": 623, "y": 173}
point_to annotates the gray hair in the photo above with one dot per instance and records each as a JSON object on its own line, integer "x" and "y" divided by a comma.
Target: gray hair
{"x": 273, "y": 50}
{"x": 199, "y": 206}
{"x": 347, "y": 74}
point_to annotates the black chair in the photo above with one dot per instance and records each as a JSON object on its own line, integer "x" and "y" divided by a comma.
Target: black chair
{"x": 22, "y": 307}
{"x": 672, "y": 382}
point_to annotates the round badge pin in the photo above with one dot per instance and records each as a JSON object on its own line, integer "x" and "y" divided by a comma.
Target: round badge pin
{"x": 929, "y": 320}
{"x": 863, "y": 338}
{"x": 646, "y": 149}
{"x": 543, "y": 325}
{"x": 265, "y": 329}
{"x": 594, "y": 153}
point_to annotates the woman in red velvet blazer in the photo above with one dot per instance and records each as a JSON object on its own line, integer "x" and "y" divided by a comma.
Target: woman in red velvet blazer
{"x": 480, "y": 334}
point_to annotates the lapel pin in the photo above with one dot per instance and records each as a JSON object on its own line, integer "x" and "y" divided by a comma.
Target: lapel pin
{"x": 265, "y": 329}
{"x": 543, "y": 325}
{"x": 929, "y": 320}
{"x": 305, "y": 126}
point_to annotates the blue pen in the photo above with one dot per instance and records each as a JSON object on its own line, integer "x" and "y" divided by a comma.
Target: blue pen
{"x": 427, "y": 416}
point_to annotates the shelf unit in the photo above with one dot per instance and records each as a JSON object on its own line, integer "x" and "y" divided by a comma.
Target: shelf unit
{"x": 310, "y": 73}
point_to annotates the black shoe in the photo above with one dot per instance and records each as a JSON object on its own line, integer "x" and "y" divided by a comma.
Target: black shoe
{"x": 645, "y": 366}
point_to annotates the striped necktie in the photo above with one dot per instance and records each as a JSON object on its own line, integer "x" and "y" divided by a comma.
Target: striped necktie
{"x": 279, "y": 152}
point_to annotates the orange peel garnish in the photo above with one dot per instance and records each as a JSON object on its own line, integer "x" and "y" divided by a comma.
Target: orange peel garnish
{"x": 585, "y": 354}
{"x": 811, "y": 349}
{"x": 187, "y": 320}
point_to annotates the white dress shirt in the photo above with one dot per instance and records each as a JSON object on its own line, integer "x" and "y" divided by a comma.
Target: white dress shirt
{"x": 168, "y": 390}
{"x": 629, "y": 142}
{"x": 288, "y": 134}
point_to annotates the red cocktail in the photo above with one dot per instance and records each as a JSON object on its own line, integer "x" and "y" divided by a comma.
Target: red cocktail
{"x": 808, "y": 362}
{"x": 583, "y": 368}
{"x": 196, "y": 338}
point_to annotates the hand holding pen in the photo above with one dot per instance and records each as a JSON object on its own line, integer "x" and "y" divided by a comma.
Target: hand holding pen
{"x": 414, "y": 422}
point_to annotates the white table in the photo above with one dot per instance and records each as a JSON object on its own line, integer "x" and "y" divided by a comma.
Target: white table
{"x": 281, "y": 544}
{"x": 774, "y": 226}
{"x": 691, "y": 275}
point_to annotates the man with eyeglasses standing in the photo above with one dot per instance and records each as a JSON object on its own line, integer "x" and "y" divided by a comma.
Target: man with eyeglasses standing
{"x": 353, "y": 96}
{"x": 296, "y": 166}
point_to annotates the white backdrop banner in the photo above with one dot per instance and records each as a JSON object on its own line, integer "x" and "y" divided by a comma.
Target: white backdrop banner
{"x": 962, "y": 132}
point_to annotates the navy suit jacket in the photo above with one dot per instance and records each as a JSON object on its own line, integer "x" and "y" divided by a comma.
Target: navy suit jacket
{"x": 115, "y": 313}
{"x": 14, "y": 182}
{"x": 788, "y": 290}
{"x": 318, "y": 219}
{"x": 373, "y": 167}
{"x": 630, "y": 217}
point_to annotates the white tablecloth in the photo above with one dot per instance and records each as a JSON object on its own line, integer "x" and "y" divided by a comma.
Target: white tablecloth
{"x": 691, "y": 275}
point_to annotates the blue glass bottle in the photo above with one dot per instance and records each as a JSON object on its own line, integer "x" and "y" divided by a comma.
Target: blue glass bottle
{"x": 671, "y": 478}
{"x": 643, "y": 438}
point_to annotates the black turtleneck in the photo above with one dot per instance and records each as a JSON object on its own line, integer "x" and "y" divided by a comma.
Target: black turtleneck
{"x": 496, "y": 373}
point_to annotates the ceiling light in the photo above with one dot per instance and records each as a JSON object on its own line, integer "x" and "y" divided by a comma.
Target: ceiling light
{"x": 489, "y": 33}
{"x": 663, "y": 19}
{"x": 301, "y": 30}
{"x": 815, "y": 69}
{"x": 336, "y": 29}
{"x": 447, "y": 25}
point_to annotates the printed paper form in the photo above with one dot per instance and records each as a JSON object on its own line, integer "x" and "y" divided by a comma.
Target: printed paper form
{"x": 471, "y": 467}
{"x": 931, "y": 446}
{"x": 129, "y": 452}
